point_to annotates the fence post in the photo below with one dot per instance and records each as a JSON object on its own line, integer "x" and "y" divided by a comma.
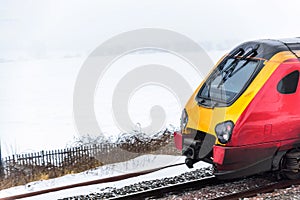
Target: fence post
{"x": 43, "y": 159}
{"x": 1, "y": 162}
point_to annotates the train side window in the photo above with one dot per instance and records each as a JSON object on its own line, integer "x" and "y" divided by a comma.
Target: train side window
{"x": 289, "y": 83}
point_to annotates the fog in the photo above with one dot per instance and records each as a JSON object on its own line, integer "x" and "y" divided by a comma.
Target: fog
{"x": 43, "y": 28}
{"x": 44, "y": 43}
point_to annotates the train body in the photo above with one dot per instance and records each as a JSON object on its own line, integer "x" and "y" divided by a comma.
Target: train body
{"x": 244, "y": 117}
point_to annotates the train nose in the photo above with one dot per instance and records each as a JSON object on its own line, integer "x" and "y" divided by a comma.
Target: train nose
{"x": 197, "y": 147}
{"x": 191, "y": 147}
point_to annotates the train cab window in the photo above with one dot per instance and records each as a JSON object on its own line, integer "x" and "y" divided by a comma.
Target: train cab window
{"x": 289, "y": 83}
{"x": 227, "y": 82}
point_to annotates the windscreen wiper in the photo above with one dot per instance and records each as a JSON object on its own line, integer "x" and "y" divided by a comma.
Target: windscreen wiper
{"x": 233, "y": 73}
{"x": 237, "y": 52}
{"x": 231, "y": 68}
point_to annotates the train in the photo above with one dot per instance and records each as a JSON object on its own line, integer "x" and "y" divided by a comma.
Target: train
{"x": 244, "y": 117}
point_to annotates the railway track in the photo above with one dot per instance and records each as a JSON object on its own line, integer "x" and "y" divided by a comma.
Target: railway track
{"x": 230, "y": 193}
{"x": 87, "y": 183}
{"x": 160, "y": 192}
{"x": 177, "y": 189}
{"x": 176, "y": 186}
{"x": 266, "y": 189}
{"x": 156, "y": 188}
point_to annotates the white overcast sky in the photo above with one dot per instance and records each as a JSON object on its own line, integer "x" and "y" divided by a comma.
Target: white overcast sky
{"x": 28, "y": 27}
{"x": 37, "y": 94}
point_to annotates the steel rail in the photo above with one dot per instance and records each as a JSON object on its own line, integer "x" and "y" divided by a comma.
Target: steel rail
{"x": 176, "y": 188}
{"x": 87, "y": 183}
{"x": 266, "y": 189}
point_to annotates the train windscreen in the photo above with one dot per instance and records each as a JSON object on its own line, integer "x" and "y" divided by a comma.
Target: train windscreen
{"x": 227, "y": 81}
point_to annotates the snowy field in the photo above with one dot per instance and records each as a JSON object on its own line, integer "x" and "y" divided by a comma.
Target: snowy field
{"x": 37, "y": 99}
{"x": 138, "y": 164}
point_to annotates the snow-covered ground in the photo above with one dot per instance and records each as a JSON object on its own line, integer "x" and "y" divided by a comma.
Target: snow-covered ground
{"x": 36, "y": 106}
{"x": 144, "y": 162}
{"x": 36, "y": 100}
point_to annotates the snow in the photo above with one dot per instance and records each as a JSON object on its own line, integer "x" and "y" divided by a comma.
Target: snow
{"x": 37, "y": 99}
{"x": 141, "y": 163}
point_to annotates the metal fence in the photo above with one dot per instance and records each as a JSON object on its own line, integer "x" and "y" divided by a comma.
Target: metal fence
{"x": 23, "y": 168}
{"x": 58, "y": 157}
{"x": 64, "y": 159}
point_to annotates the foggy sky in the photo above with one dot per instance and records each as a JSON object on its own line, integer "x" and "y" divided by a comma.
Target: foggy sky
{"x": 30, "y": 28}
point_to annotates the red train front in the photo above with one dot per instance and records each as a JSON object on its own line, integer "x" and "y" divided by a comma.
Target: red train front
{"x": 244, "y": 117}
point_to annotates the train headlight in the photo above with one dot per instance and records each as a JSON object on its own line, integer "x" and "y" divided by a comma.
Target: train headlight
{"x": 183, "y": 120}
{"x": 223, "y": 131}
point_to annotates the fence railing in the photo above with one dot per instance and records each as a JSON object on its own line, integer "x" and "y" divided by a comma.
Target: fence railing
{"x": 58, "y": 159}
{"x": 23, "y": 168}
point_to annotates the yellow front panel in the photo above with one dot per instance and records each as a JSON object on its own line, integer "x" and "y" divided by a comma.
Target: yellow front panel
{"x": 205, "y": 119}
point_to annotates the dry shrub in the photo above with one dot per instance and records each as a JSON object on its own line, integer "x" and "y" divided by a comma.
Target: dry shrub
{"x": 75, "y": 163}
{"x": 139, "y": 142}
{"x": 23, "y": 174}
{"x": 128, "y": 146}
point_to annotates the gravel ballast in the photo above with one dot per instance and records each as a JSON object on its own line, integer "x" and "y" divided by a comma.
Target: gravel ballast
{"x": 146, "y": 185}
{"x": 223, "y": 189}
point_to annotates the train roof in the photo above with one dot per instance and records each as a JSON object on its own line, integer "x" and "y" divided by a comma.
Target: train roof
{"x": 267, "y": 48}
